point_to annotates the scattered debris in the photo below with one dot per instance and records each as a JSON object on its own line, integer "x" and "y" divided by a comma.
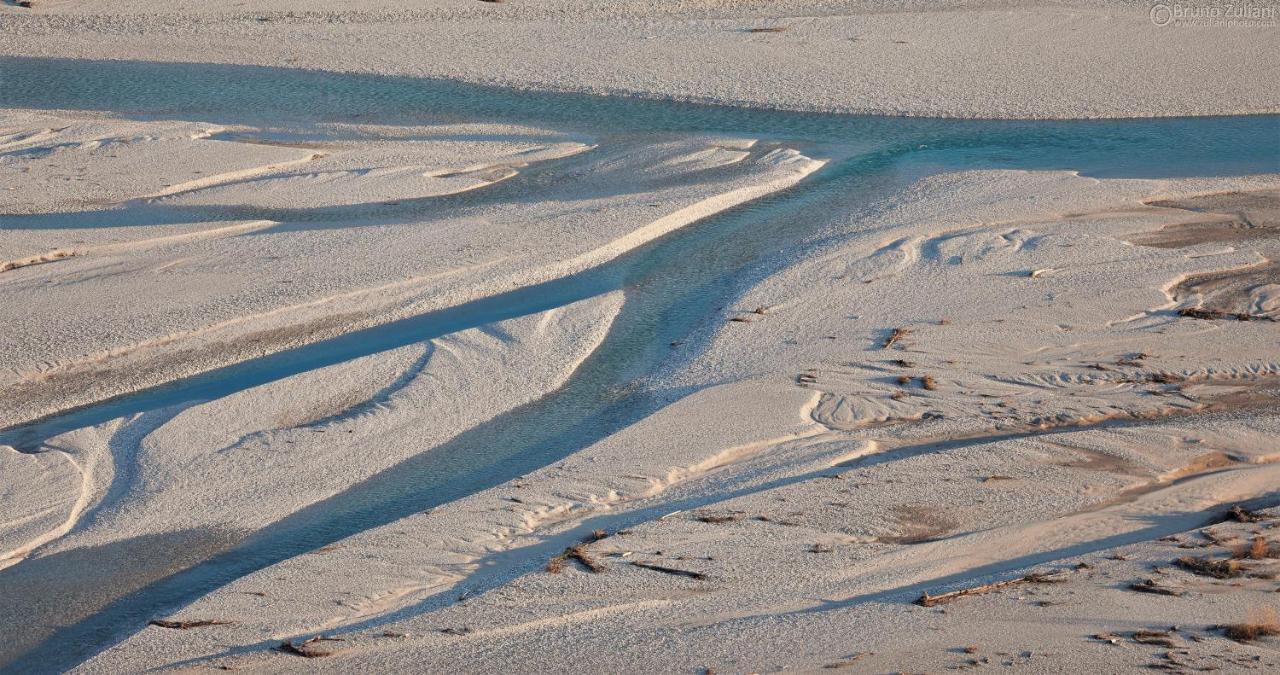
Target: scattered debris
{"x": 895, "y": 336}
{"x": 186, "y": 625}
{"x": 308, "y": 648}
{"x": 927, "y": 600}
{"x": 670, "y": 570}
{"x": 1111, "y": 638}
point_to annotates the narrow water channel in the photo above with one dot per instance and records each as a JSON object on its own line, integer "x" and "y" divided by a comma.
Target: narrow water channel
{"x": 673, "y": 287}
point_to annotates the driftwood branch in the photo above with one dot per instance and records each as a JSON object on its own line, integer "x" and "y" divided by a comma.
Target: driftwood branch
{"x": 927, "y": 600}
{"x": 670, "y": 570}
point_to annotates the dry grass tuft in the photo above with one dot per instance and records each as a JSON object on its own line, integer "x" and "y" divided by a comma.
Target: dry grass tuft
{"x": 1218, "y": 569}
{"x": 1159, "y": 638}
{"x": 1262, "y": 622}
{"x": 928, "y": 382}
{"x": 1257, "y": 549}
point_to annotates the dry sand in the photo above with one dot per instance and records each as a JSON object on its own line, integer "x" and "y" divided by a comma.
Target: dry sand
{"x": 984, "y": 59}
{"x": 980, "y": 376}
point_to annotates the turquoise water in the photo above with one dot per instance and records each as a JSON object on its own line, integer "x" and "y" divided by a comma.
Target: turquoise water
{"x": 673, "y": 286}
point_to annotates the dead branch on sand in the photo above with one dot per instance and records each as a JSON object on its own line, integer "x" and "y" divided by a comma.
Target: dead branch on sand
{"x": 670, "y": 570}
{"x": 186, "y": 625}
{"x": 1150, "y": 586}
{"x": 308, "y": 648}
{"x": 927, "y": 600}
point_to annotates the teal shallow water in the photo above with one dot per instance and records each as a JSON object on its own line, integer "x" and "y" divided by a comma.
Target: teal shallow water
{"x": 673, "y": 286}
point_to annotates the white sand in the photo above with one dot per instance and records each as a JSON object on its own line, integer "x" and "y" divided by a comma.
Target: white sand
{"x": 234, "y": 288}
{"x": 990, "y": 59}
{"x": 1043, "y": 404}
{"x": 767, "y": 447}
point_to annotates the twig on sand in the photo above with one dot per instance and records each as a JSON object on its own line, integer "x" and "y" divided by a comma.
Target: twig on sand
{"x": 927, "y": 600}
{"x": 185, "y": 625}
{"x": 717, "y": 518}
{"x": 670, "y": 570}
{"x": 847, "y": 662}
{"x": 576, "y": 552}
{"x": 897, "y": 334}
{"x": 579, "y": 552}
{"x": 767, "y": 29}
{"x": 308, "y": 648}
{"x": 1150, "y": 586}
